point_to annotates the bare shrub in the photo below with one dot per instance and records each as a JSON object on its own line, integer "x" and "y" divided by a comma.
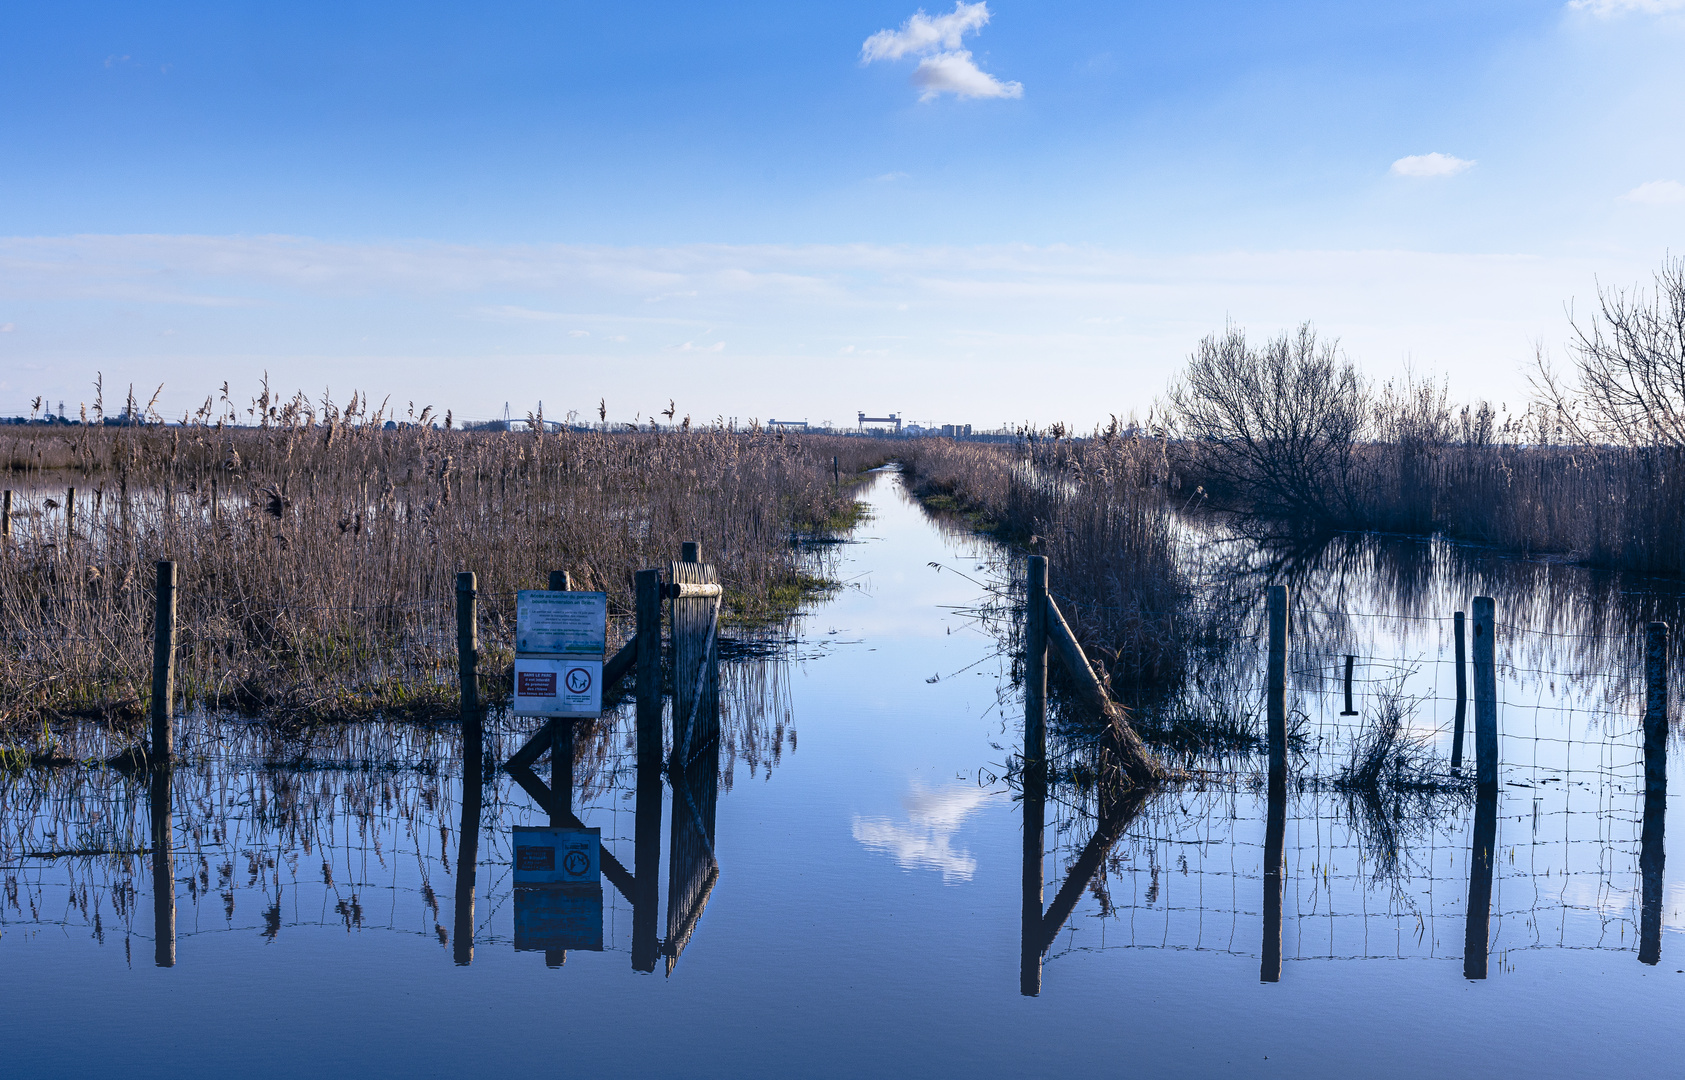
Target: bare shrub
{"x": 1274, "y": 424}
{"x": 1629, "y": 367}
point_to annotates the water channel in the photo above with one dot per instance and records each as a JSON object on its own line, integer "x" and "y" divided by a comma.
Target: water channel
{"x": 865, "y": 918}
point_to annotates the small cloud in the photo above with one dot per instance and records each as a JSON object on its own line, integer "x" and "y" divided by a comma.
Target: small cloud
{"x": 691, "y": 346}
{"x": 846, "y": 349}
{"x": 925, "y": 33}
{"x": 944, "y": 67}
{"x": 617, "y": 337}
{"x": 1608, "y": 9}
{"x": 113, "y": 61}
{"x": 955, "y": 73}
{"x": 889, "y": 177}
{"x": 1654, "y": 193}
{"x": 7, "y": 328}
{"x": 579, "y": 333}
{"x": 1430, "y": 165}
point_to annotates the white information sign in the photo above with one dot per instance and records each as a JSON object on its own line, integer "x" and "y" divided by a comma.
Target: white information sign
{"x": 548, "y": 623}
{"x": 558, "y": 686}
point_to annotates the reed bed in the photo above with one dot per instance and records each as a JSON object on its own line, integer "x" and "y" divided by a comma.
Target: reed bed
{"x": 1099, "y": 509}
{"x": 318, "y": 551}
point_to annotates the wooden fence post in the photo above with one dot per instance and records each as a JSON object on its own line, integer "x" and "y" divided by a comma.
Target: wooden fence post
{"x": 1652, "y": 852}
{"x": 562, "y": 731}
{"x": 1351, "y": 662}
{"x": 468, "y": 662}
{"x": 689, "y": 551}
{"x": 6, "y": 515}
{"x": 1655, "y": 709}
{"x": 1485, "y": 692}
{"x": 164, "y": 663}
{"x": 1035, "y": 663}
{"x": 1461, "y": 654}
{"x": 646, "y": 864}
{"x": 1277, "y": 608}
{"x": 649, "y": 664}
{"x": 70, "y": 514}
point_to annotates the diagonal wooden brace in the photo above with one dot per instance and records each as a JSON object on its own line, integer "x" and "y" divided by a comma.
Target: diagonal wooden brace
{"x": 618, "y": 875}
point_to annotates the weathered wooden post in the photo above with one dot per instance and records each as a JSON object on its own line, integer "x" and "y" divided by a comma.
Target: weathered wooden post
{"x": 70, "y": 514}
{"x": 1035, "y": 771}
{"x": 163, "y": 868}
{"x": 562, "y": 732}
{"x": 1461, "y": 655}
{"x": 1035, "y": 662}
{"x": 690, "y": 551}
{"x": 1652, "y": 852}
{"x": 473, "y": 770}
{"x": 6, "y": 515}
{"x": 646, "y": 866}
{"x": 1485, "y": 692}
{"x": 1655, "y": 709}
{"x": 1277, "y": 686}
{"x": 216, "y": 499}
{"x": 1351, "y": 661}
{"x": 836, "y": 473}
{"x": 163, "y": 664}
{"x": 468, "y": 660}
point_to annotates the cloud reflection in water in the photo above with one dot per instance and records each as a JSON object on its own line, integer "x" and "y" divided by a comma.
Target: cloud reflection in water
{"x": 925, "y": 840}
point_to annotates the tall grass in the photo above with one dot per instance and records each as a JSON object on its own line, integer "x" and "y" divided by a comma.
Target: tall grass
{"x": 1097, "y": 509}
{"x": 318, "y": 552}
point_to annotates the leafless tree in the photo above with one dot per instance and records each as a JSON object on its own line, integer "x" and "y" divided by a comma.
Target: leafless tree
{"x": 1628, "y": 377}
{"x": 1277, "y": 422}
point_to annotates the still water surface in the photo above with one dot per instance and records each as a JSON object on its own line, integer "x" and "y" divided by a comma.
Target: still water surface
{"x": 865, "y": 919}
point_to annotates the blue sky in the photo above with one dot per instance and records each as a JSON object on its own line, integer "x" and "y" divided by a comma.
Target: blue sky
{"x": 570, "y": 201}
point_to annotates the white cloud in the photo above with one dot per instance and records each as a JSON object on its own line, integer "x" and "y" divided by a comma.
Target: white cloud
{"x": 1657, "y": 193}
{"x": 955, "y": 73}
{"x": 944, "y": 67}
{"x": 925, "y": 841}
{"x": 925, "y": 33}
{"x": 1608, "y": 9}
{"x": 691, "y": 346}
{"x": 579, "y": 333}
{"x": 889, "y": 177}
{"x": 8, "y": 328}
{"x": 1435, "y": 164}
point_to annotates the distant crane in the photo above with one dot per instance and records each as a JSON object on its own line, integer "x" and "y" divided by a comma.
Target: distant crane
{"x": 890, "y": 419}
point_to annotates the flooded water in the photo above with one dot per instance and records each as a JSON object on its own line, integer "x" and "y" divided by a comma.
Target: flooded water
{"x": 867, "y": 914}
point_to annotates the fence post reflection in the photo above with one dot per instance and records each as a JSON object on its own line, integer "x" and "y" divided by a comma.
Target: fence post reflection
{"x": 1478, "y": 931}
{"x": 1275, "y": 834}
{"x": 1035, "y": 815}
{"x": 468, "y": 843}
{"x": 163, "y": 866}
{"x": 1650, "y": 859}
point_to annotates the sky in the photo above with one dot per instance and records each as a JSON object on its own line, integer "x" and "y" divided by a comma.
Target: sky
{"x": 979, "y": 213}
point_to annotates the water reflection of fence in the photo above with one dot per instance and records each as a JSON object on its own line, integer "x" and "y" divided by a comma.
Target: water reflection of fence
{"x": 1189, "y": 874}
{"x": 1370, "y": 843}
{"x": 355, "y": 827}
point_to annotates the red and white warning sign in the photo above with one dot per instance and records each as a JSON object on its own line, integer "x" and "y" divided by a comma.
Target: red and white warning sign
{"x": 558, "y": 686}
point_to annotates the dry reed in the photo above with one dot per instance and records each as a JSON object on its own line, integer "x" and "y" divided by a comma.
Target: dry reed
{"x": 318, "y": 551}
